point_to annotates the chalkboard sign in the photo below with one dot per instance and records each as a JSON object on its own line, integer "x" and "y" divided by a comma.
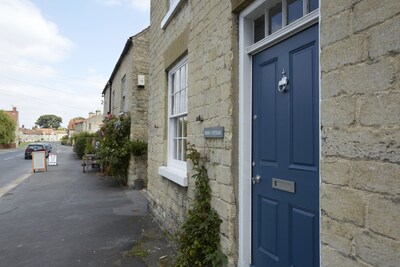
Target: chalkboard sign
{"x": 39, "y": 161}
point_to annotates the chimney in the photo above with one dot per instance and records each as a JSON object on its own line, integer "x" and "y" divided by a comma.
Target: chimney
{"x": 91, "y": 114}
{"x": 14, "y": 109}
{"x": 98, "y": 112}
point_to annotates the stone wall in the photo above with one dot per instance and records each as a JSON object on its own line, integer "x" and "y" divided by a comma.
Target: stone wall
{"x": 205, "y": 31}
{"x": 139, "y": 102}
{"x": 360, "y": 117}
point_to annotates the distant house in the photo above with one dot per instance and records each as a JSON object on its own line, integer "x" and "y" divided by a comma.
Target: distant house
{"x": 41, "y": 135}
{"x": 93, "y": 123}
{"x": 14, "y": 116}
{"x": 71, "y": 128}
{"x": 126, "y": 93}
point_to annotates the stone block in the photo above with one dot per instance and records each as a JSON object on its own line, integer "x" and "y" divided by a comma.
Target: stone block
{"x": 224, "y": 209}
{"x": 384, "y": 39}
{"x": 337, "y": 235}
{"x": 343, "y": 204}
{"x": 367, "y": 78}
{"x": 376, "y": 177}
{"x": 226, "y": 193}
{"x": 383, "y": 216}
{"x": 337, "y": 172}
{"x": 223, "y": 175}
{"x": 330, "y": 84}
{"x": 381, "y": 110}
{"x": 338, "y": 111}
{"x": 359, "y": 143}
{"x": 329, "y": 8}
{"x": 332, "y": 258}
{"x": 342, "y": 53}
{"x": 377, "y": 250}
{"x": 335, "y": 28}
{"x": 370, "y": 12}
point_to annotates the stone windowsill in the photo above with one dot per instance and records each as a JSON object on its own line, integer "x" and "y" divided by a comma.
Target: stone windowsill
{"x": 175, "y": 175}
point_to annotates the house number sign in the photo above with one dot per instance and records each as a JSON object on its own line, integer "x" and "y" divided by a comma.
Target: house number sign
{"x": 214, "y": 133}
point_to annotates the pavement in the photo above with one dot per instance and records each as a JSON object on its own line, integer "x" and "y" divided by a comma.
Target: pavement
{"x": 64, "y": 217}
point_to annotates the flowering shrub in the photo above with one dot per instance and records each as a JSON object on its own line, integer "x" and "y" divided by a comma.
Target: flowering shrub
{"x": 114, "y": 148}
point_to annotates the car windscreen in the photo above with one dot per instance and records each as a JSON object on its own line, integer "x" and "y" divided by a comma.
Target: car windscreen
{"x": 35, "y": 147}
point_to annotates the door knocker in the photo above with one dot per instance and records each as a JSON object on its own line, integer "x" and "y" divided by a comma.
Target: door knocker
{"x": 283, "y": 82}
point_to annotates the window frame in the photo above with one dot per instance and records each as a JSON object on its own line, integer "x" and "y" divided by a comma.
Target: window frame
{"x": 172, "y": 162}
{"x": 176, "y": 170}
{"x": 173, "y": 8}
{"x": 123, "y": 94}
{"x": 306, "y": 10}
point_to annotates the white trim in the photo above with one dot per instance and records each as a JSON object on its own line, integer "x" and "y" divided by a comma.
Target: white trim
{"x": 171, "y": 12}
{"x": 175, "y": 175}
{"x": 284, "y": 33}
{"x": 246, "y": 50}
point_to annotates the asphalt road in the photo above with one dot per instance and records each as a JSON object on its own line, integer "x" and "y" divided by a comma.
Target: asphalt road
{"x": 13, "y": 165}
{"x": 64, "y": 217}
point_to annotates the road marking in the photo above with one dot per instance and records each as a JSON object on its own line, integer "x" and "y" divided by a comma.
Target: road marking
{"x": 14, "y": 184}
{"x": 14, "y": 157}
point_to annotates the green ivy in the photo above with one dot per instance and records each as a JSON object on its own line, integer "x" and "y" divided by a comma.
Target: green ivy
{"x": 114, "y": 149}
{"x": 199, "y": 236}
{"x": 83, "y": 143}
{"x": 138, "y": 147}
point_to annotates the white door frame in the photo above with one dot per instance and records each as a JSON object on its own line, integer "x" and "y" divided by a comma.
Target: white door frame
{"x": 246, "y": 50}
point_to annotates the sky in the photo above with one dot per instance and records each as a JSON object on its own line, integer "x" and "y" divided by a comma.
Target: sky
{"x": 56, "y": 56}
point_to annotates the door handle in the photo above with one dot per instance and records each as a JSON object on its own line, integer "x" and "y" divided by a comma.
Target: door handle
{"x": 256, "y": 179}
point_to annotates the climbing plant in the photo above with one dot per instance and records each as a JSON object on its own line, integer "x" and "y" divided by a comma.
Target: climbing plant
{"x": 198, "y": 238}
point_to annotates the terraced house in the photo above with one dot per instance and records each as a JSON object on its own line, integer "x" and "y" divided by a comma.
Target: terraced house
{"x": 126, "y": 93}
{"x": 296, "y": 102}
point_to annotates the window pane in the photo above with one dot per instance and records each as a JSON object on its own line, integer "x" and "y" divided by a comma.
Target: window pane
{"x": 184, "y": 127}
{"x": 184, "y": 150}
{"x": 183, "y": 76}
{"x": 259, "y": 28}
{"x": 174, "y": 145}
{"x": 275, "y": 18}
{"x": 314, "y": 4}
{"x": 180, "y": 128}
{"x": 179, "y": 150}
{"x": 295, "y": 10}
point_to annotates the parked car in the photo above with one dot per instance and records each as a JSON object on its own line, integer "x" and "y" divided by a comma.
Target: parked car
{"x": 48, "y": 147}
{"x": 33, "y": 148}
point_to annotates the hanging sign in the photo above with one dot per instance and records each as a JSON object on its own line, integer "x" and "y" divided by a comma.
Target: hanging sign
{"x": 39, "y": 161}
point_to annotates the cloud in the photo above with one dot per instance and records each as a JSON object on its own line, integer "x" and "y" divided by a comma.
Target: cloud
{"x": 29, "y": 46}
{"x": 25, "y": 33}
{"x": 143, "y": 5}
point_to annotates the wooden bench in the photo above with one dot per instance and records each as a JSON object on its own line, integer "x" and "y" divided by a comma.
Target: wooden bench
{"x": 90, "y": 160}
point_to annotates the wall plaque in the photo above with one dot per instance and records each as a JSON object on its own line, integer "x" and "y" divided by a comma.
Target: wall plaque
{"x": 214, "y": 133}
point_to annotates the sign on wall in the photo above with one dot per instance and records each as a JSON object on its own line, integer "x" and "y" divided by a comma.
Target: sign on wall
{"x": 39, "y": 161}
{"x": 214, "y": 133}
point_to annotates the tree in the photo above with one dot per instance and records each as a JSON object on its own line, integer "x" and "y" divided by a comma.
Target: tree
{"x": 49, "y": 121}
{"x": 7, "y": 128}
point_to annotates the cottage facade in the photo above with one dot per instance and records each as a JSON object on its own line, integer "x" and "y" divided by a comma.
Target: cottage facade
{"x": 296, "y": 104}
{"x": 126, "y": 92}
{"x": 128, "y": 77}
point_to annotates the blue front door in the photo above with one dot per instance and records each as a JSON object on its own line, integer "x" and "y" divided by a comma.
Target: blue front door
{"x": 285, "y": 147}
